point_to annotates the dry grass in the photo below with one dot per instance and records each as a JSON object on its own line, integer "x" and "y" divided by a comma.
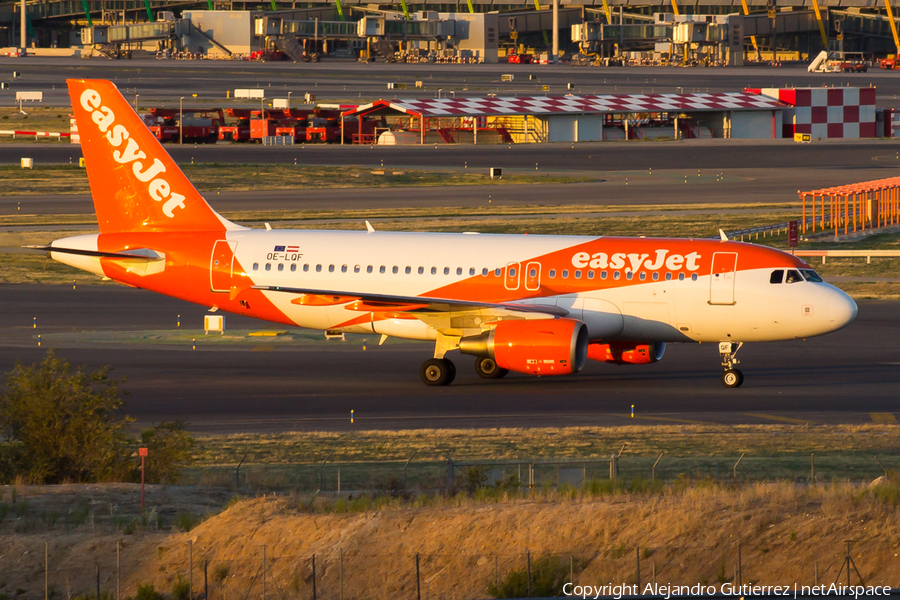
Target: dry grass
{"x": 687, "y": 534}
{"x": 39, "y": 118}
{"x": 66, "y": 179}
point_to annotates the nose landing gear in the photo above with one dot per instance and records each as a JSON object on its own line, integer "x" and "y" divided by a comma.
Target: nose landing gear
{"x": 731, "y": 377}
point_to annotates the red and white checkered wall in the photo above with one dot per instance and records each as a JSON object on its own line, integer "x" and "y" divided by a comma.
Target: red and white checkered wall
{"x": 826, "y": 112}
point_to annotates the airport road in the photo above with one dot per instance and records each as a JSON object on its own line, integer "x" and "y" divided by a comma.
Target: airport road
{"x": 346, "y": 81}
{"x": 260, "y": 386}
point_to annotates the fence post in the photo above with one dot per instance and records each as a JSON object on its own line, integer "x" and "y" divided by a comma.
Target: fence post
{"x": 653, "y": 470}
{"x": 191, "y": 567}
{"x": 812, "y": 468}
{"x": 613, "y": 466}
{"x": 418, "y": 580}
{"x": 740, "y": 573}
{"x": 314, "y": 575}
{"x": 341, "y": 573}
{"x": 734, "y": 469}
{"x": 527, "y": 562}
{"x": 637, "y": 557}
{"x": 205, "y": 580}
{"x": 265, "y": 568}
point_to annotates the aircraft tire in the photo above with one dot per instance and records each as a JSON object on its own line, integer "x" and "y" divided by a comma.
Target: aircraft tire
{"x": 732, "y": 378}
{"x": 487, "y": 369}
{"x": 437, "y": 371}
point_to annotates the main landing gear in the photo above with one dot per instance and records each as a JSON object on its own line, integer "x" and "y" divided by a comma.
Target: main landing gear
{"x": 731, "y": 377}
{"x": 441, "y": 371}
{"x": 437, "y": 371}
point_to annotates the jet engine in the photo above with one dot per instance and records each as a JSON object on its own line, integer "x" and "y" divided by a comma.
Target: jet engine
{"x": 535, "y": 346}
{"x": 627, "y": 353}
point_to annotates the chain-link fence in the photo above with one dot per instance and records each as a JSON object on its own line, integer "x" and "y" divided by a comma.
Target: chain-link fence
{"x": 204, "y": 573}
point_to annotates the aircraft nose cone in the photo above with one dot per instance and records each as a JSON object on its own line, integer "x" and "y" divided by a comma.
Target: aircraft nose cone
{"x": 841, "y": 309}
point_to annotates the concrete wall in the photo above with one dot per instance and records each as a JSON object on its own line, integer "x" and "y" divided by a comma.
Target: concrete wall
{"x": 477, "y": 32}
{"x": 232, "y": 29}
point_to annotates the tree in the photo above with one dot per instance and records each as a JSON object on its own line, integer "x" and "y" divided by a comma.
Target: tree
{"x": 61, "y": 425}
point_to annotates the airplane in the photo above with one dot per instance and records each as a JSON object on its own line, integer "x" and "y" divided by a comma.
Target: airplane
{"x": 536, "y": 304}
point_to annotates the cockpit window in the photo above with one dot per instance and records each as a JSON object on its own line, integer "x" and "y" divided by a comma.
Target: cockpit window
{"x": 776, "y": 276}
{"x": 793, "y": 277}
{"x": 811, "y": 275}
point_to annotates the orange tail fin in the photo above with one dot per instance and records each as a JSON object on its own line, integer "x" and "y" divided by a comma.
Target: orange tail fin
{"x": 135, "y": 184}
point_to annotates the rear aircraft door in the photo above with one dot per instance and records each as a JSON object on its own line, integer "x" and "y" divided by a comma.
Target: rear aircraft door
{"x": 511, "y": 281}
{"x": 220, "y": 266}
{"x": 721, "y": 280}
{"x": 533, "y": 276}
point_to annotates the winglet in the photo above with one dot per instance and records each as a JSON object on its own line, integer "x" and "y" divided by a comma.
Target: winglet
{"x": 722, "y": 236}
{"x": 369, "y": 228}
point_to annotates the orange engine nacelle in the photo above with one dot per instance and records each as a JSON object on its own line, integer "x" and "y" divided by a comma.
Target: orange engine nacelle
{"x": 627, "y": 353}
{"x": 538, "y": 346}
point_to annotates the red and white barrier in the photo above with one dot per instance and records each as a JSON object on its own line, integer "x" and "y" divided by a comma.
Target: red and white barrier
{"x": 826, "y": 112}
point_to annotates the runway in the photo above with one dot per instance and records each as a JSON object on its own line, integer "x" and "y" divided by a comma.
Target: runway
{"x": 843, "y": 377}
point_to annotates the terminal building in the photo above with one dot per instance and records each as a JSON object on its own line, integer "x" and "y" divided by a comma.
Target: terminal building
{"x": 665, "y": 31}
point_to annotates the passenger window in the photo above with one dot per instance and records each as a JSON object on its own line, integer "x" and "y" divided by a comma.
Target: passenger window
{"x": 643, "y": 275}
{"x": 693, "y": 277}
{"x": 293, "y": 267}
{"x": 656, "y": 277}
{"x": 395, "y": 270}
{"x": 331, "y": 268}
{"x": 681, "y": 277}
{"x": 343, "y": 268}
{"x": 811, "y": 275}
{"x": 268, "y": 267}
{"x": 532, "y": 273}
{"x": 369, "y": 269}
{"x": 793, "y": 277}
{"x": 381, "y": 269}
{"x": 668, "y": 277}
{"x": 434, "y": 270}
{"x": 590, "y": 274}
{"x": 512, "y": 272}
{"x": 446, "y": 270}
{"x": 421, "y": 270}
{"x": 484, "y": 272}
{"x": 408, "y": 270}
{"x": 356, "y": 268}
{"x": 280, "y": 266}
{"x": 776, "y": 276}
{"x": 497, "y": 272}
{"x": 616, "y": 275}
{"x": 459, "y": 270}
{"x": 577, "y": 274}
{"x": 565, "y": 274}
{"x": 552, "y": 273}
{"x": 629, "y": 275}
{"x": 602, "y": 274}
{"x": 471, "y": 270}
{"x": 256, "y": 266}
{"x": 318, "y": 268}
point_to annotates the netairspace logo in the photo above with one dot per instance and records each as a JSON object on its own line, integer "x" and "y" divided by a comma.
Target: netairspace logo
{"x": 728, "y": 589}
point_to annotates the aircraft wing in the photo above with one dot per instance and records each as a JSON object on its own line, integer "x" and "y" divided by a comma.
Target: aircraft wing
{"x": 407, "y": 304}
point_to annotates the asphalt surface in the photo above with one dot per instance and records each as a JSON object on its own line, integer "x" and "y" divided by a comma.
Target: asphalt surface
{"x": 346, "y": 81}
{"x": 849, "y": 376}
{"x": 264, "y": 386}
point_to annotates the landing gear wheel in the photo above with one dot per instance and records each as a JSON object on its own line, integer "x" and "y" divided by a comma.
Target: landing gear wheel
{"x": 487, "y": 368}
{"x": 437, "y": 371}
{"x": 732, "y": 378}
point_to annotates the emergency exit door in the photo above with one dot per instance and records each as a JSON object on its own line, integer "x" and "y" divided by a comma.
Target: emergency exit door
{"x": 721, "y": 280}
{"x": 221, "y": 266}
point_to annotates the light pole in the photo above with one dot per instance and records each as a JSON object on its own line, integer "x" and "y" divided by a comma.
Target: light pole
{"x": 142, "y": 452}
{"x": 136, "y": 96}
{"x": 289, "y": 101}
{"x": 181, "y": 120}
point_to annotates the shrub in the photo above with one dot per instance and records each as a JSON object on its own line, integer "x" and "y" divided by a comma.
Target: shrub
{"x": 181, "y": 589}
{"x": 147, "y": 592}
{"x": 548, "y": 576}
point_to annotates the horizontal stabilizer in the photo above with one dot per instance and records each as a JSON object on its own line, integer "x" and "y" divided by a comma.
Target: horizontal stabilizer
{"x": 136, "y": 254}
